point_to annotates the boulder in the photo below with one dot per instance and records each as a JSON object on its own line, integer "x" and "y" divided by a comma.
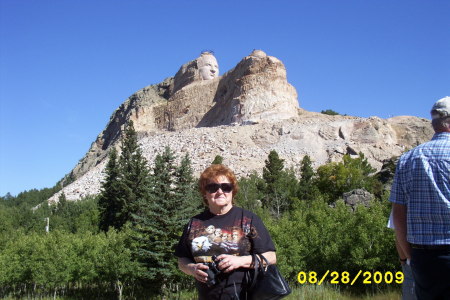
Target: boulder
{"x": 358, "y": 197}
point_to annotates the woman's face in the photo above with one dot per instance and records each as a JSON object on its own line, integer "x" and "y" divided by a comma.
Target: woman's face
{"x": 219, "y": 199}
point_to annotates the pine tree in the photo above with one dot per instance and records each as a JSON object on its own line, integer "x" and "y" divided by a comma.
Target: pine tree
{"x": 159, "y": 221}
{"x": 62, "y": 201}
{"x": 281, "y": 185}
{"x": 272, "y": 170}
{"x": 134, "y": 176}
{"x": 186, "y": 192}
{"x": 126, "y": 182}
{"x": 330, "y": 112}
{"x": 109, "y": 203}
{"x": 306, "y": 188}
{"x": 217, "y": 160}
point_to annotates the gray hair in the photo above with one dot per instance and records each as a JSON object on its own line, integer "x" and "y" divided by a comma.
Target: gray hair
{"x": 441, "y": 124}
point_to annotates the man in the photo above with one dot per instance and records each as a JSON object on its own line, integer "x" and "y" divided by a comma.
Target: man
{"x": 408, "y": 290}
{"x": 421, "y": 208}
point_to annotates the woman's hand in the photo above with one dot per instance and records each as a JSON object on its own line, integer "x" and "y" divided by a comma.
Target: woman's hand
{"x": 194, "y": 269}
{"x": 198, "y": 271}
{"x": 229, "y": 263}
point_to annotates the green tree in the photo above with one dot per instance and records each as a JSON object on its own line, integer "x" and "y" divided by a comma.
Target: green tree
{"x": 134, "y": 176}
{"x": 217, "y": 160}
{"x": 126, "y": 182}
{"x": 315, "y": 236}
{"x": 306, "y": 188}
{"x": 280, "y": 185}
{"x": 329, "y": 112}
{"x": 274, "y": 166}
{"x": 110, "y": 202}
{"x": 334, "y": 179}
{"x": 7, "y": 222}
{"x": 117, "y": 265}
{"x": 62, "y": 201}
{"x": 160, "y": 218}
{"x": 88, "y": 217}
{"x": 185, "y": 190}
{"x": 251, "y": 192}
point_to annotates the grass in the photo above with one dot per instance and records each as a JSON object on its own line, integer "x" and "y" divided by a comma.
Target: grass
{"x": 305, "y": 292}
{"x": 327, "y": 292}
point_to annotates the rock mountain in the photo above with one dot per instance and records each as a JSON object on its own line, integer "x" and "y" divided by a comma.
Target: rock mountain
{"x": 242, "y": 116}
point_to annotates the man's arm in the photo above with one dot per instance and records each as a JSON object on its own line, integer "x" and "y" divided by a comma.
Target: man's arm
{"x": 399, "y": 214}
{"x": 401, "y": 253}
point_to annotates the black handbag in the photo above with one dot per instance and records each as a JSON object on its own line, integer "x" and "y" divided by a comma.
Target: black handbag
{"x": 265, "y": 282}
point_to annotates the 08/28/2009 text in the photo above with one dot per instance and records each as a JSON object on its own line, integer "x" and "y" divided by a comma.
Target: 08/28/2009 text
{"x": 345, "y": 277}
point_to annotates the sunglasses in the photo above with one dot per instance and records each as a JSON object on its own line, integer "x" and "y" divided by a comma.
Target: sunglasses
{"x": 214, "y": 187}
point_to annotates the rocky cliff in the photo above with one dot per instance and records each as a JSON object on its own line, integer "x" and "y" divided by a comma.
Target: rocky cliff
{"x": 241, "y": 115}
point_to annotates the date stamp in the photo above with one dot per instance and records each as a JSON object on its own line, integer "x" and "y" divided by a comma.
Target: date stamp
{"x": 345, "y": 277}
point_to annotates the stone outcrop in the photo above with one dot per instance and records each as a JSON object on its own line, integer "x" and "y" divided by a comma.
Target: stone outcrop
{"x": 244, "y": 148}
{"x": 358, "y": 197}
{"x": 138, "y": 108}
{"x": 242, "y": 116}
{"x": 255, "y": 90}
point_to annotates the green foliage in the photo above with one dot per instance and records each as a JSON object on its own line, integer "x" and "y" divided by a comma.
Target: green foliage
{"x": 317, "y": 237}
{"x": 72, "y": 216}
{"x": 21, "y": 212}
{"x": 29, "y": 198}
{"x": 280, "y": 185}
{"x": 306, "y": 188}
{"x": 77, "y": 259}
{"x": 48, "y": 263}
{"x": 329, "y": 112}
{"x": 126, "y": 182}
{"x": 186, "y": 188}
{"x": 133, "y": 177}
{"x": 334, "y": 179}
{"x": 251, "y": 192}
{"x": 110, "y": 203}
{"x": 159, "y": 222}
{"x": 69, "y": 216}
{"x": 387, "y": 172}
{"x": 284, "y": 193}
{"x": 217, "y": 160}
{"x": 274, "y": 165}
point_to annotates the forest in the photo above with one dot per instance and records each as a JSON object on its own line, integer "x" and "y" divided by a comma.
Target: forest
{"x": 120, "y": 243}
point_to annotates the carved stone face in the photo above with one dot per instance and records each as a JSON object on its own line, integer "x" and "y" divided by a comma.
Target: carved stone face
{"x": 225, "y": 237}
{"x": 235, "y": 236}
{"x": 208, "y": 67}
{"x": 210, "y": 229}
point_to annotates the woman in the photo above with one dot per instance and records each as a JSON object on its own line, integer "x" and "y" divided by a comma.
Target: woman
{"x": 223, "y": 237}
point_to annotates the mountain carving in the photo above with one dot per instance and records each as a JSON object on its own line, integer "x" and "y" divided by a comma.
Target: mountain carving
{"x": 242, "y": 116}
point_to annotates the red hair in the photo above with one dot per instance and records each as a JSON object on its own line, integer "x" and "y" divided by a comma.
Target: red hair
{"x": 213, "y": 172}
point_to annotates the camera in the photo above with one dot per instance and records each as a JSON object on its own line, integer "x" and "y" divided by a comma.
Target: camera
{"x": 213, "y": 272}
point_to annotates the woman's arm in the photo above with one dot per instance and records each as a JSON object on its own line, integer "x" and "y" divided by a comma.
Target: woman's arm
{"x": 193, "y": 269}
{"x": 229, "y": 263}
{"x": 271, "y": 257}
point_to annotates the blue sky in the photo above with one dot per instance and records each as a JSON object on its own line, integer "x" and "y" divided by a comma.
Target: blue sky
{"x": 65, "y": 66}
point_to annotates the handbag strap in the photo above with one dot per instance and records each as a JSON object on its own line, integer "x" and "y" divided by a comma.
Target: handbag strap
{"x": 258, "y": 269}
{"x": 253, "y": 274}
{"x": 261, "y": 264}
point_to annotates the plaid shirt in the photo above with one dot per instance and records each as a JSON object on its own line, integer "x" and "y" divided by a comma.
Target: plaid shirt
{"x": 422, "y": 183}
